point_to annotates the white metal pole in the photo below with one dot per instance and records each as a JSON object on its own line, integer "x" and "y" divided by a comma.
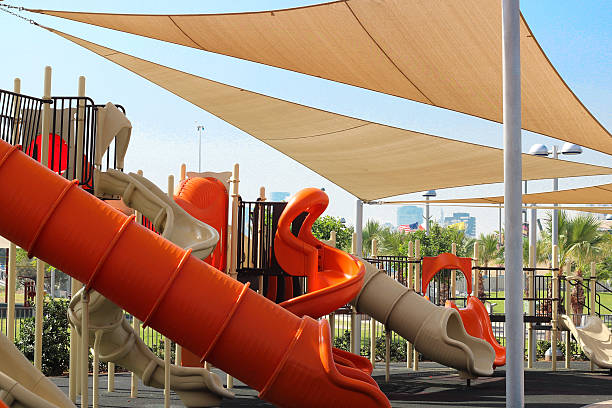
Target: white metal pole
{"x": 427, "y": 215}
{"x": 555, "y": 213}
{"x": 135, "y": 322}
{"x": 499, "y": 238}
{"x": 11, "y": 278}
{"x": 511, "y": 60}
{"x": 84, "y": 348}
{"x": 167, "y": 342}
{"x": 359, "y": 227}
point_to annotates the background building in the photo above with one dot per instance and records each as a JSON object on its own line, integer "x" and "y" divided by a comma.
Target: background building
{"x": 462, "y": 220}
{"x": 409, "y": 214}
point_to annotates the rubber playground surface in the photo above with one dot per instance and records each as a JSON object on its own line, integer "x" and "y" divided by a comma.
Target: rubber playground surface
{"x": 433, "y": 385}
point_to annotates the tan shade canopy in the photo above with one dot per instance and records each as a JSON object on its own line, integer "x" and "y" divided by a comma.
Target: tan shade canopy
{"x": 442, "y": 53}
{"x": 367, "y": 159}
{"x": 601, "y": 194}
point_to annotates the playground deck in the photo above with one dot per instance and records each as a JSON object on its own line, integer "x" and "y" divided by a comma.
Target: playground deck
{"x": 432, "y": 385}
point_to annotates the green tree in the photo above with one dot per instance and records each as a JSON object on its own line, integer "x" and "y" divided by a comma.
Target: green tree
{"x": 326, "y": 224}
{"x": 439, "y": 240}
{"x": 372, "y": 230}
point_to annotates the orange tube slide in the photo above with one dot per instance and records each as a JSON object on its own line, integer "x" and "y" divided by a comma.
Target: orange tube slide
{"x": 288, "y": 359}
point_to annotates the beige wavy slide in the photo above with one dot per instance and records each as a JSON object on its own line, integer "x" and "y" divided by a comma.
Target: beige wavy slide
{"x": 435, "y": 331}
{"x": 116, "y": 341}
{"x": 594, "y": 338}
{"x": 22, "y": 385}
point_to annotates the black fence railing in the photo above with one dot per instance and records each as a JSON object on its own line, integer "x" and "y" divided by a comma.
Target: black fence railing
{"x": 72, "y": 133}
{"x": 257, "y": 225}
{"x": 395, "y": 266}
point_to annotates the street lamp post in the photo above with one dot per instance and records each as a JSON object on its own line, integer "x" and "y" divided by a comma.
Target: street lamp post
{"x": 200, "y": 129}
{"x": 542, "y": 150}
{"x": 430, "y": 193}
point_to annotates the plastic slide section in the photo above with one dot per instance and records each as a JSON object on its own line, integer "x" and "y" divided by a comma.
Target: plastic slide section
{"x": 435, "y": 331}
{"x": 474, "y": 316}
{"x": 174, "y": 223}
{"x": 116, "y": 341}
{"x": 286, "y": 358}
{"x": 23, "y": 385}
{"x": 206, "y": 199}
{"x": 594, "y": 338}
{"x": 334, "y": 277}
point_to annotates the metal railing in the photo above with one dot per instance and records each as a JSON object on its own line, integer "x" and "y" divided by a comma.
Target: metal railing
{"x": 72, "y": 133}
{"x": 395, "y": 266}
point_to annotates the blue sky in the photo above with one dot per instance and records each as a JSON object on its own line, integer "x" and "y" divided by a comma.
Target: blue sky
{"x": 577, "y": 37}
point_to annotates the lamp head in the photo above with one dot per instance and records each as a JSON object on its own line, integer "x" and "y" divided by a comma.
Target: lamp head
{"x": 570, "y": 148}
{"x": 538, "y": 150}
{"x": 430, "y": 193}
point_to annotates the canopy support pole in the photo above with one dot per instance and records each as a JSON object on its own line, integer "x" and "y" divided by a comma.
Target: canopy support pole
{"x": 356, "y": 329}
{"x": 513, "y": 197}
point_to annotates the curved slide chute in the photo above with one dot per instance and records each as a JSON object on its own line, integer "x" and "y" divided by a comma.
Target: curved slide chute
{"x": 475, "y": 317}
{"x": 336, "y": 278}
{"x": 287, "y": 358}
{"x": 594, "y": 338}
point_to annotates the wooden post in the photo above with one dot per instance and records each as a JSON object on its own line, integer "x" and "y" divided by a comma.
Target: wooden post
{"x": 332, "y": 325}
{"x": 592, "y": 298}
{"x": 354, "y": 244}
{"x": 354, "y": 337}
{"x": 387, "y": 354}
{"x": 418, "y": 288}
{"x": 332, "y": 238}
{"x": 409, "y": 346}
{"x": 96, "y": 369}
{"x": 136, "y": 327}
{"x": 475, "y": 262}
{"x": 38, "y": 319}
{"x": 135, "y": 321}
{"x": 555, "y": 308}
{"x": 183, "y": 172}
{"x": 40, "y": 266}
{"x": 11, "y": 278}
{"x": 167, "y": 342}
{"x": 111, "y": 377}
{"x": 235, "y": 180}
{"x": 260, "y": 225}
{"x": 84, "y": 348}
{"x": 78, "y": 159}
{"x": 74, "y": 383}
{"x": 233, "y": 263}
{"x": 16, "y": 111}
{"x": 12, "y": 289}
{"x": 531, "y": 285}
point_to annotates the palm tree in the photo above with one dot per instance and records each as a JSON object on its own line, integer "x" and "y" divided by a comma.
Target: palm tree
{"x": 372, "y": 230}
{"x": 392, "y": 241}
{"x": 488, "y": 252}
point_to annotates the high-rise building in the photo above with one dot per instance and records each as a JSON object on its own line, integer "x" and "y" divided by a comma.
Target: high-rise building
{"x": 409, "y": 214}
{"x": 277, "y": 196}
{"x": 464, "y": 221}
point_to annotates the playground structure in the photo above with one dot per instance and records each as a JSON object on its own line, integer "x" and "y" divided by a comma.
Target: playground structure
{"x": 91, "y": 153}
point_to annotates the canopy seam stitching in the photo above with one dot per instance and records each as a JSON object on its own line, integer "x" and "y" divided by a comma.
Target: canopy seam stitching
{"x": 322, "y": 134}
{"x": 186, "y": 35}
{"x": 387, "y": 56}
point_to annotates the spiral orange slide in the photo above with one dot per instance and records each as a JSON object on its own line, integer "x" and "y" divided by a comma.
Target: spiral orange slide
{"x": 286, "y": 358}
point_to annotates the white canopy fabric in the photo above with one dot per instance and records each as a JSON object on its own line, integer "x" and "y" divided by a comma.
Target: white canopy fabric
{"x": 443, "y": 53}
{"x": 367, "y": 159}
{"x": 601, "y": 194}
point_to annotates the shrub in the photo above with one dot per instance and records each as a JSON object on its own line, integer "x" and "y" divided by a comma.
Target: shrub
{"x": 56, "y": 337}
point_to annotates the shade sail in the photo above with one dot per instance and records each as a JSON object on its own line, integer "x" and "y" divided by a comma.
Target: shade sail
{"x": 367, "y": 159}
{"x": 601, "y": 194}
{"x": 442, "y": 53}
